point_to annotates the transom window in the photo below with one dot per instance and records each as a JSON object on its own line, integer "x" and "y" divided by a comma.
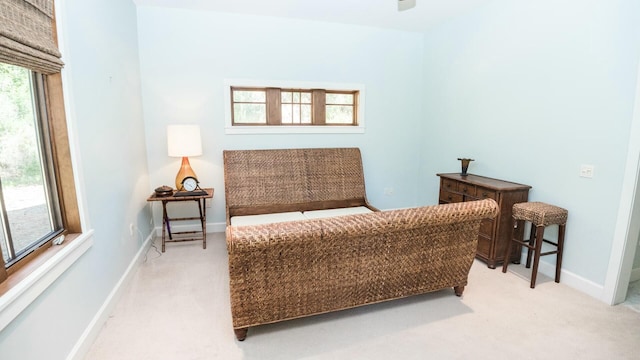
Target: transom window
{"x": 261, "y": 106}
{"x": 295, "y": 107}
{"x": 249, "y": 106}
{"x": 340, "y": 107}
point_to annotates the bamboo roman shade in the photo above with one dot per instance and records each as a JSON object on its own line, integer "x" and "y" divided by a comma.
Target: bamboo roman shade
{"x": 27, "y": 35}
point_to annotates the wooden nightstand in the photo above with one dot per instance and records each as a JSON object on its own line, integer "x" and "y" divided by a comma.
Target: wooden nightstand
{"x": 495, "y": 234}
{"x": 166, "y": 220}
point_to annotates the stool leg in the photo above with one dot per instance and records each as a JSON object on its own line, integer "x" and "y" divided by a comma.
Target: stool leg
{"x": 507, "y": 254}
{"x": 532, "y": 244}
{"x": 560, "y": 249}
{"x": 536, "y": 256}
{"x": 518, "y": 234}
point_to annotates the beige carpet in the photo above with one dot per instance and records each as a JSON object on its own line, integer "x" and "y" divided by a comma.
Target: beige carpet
{"x": 177, "y": 307}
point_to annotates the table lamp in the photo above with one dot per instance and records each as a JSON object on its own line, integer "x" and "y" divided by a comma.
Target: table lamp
{"x": 184, "y": 141}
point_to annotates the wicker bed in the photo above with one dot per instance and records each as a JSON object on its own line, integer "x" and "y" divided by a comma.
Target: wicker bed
{"x": 293, "y": 269}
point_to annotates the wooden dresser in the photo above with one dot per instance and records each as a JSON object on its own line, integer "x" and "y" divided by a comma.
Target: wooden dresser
{"x": 494, "y": 234}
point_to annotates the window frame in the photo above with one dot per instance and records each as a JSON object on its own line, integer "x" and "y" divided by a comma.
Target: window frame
{"x": 45, "y": 153}
{"x": 276, "y": 128}
{"x": 32, "y": 275}
{"x": 52, "y": 103}
{"x": 299, "y": 103}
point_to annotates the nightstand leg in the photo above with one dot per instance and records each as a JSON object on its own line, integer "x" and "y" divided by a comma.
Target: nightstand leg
{"x": 164, "y": 222}
{"x": 202, "y": 206}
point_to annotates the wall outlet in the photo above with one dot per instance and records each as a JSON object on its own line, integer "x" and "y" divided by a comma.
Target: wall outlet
{"x": 586, "y": 171}
{"x": 207, "y": 203}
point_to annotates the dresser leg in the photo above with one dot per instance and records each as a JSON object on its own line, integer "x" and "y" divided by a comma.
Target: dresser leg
{"x": 458, "y": 290}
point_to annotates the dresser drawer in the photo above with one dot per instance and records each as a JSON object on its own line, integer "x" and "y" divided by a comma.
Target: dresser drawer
{"x": 449, "y": 185}
{"x": 486, "y": 228}
{"x": 484, "y": 246}
{"x": 450, "y": 197}
{"x": 484, "y": 193}
{"x": 467, "y": 189}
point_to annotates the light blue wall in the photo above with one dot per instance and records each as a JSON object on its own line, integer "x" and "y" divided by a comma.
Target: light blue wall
{"x": 185, "y": 56}
{"x": 532, "y": 90}
{"x": 100, "y": 51}
{"x": 636, "y": 261}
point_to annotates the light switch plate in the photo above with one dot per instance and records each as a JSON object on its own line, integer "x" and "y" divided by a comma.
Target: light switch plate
{"x": 586, "y": 171}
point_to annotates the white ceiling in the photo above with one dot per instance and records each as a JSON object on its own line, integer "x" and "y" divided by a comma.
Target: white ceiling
{"x": 377, "y": 13}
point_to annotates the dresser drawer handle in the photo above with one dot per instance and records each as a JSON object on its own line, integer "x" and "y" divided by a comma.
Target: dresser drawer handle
{"x": 485, "y": 194}
{"x": 449, "y": 198}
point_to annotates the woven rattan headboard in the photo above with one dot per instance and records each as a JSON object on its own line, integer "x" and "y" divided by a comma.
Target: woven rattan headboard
{"x": 292, "y": 179}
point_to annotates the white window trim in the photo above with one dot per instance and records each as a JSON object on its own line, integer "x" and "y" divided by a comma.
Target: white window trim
{"x": 293, "y": 129}
{"x": 16, "y": 299}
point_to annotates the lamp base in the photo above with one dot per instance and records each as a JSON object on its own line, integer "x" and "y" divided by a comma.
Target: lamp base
{"x": 185, "y": 170}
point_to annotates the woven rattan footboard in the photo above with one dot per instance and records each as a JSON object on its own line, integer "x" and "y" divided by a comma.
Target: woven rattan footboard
{"x": 289, "y": 270}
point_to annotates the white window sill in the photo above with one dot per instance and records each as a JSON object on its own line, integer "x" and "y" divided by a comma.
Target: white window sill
{"x": 283, "y": 129}
{"x": 16, "y": 299}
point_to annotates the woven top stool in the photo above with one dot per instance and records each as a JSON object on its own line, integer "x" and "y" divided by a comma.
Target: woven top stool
{"x": 540, "y": 215}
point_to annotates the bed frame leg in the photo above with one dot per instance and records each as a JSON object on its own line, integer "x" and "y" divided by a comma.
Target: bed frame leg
{"x": 458, "y": 290}
{"x": 241, "y": 334}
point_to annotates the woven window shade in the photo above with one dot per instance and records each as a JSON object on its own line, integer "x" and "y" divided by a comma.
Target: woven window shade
{"x": 26, "y": 35}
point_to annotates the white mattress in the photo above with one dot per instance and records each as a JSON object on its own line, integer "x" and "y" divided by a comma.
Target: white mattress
{"x": 296, "y": 215}
{"x": 266, "y": 218}
{"x": 317, "y": 214}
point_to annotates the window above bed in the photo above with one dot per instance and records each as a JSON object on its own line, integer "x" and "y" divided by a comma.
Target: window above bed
{"x": 254, "y": 107}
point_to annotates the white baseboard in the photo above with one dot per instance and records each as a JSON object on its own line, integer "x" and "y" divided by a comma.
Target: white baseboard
{"x": 211, "y": 228}
{"x": 635, "y": 275}
{"x": 92, "y": 331}
{"x": 570, "y": 279}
